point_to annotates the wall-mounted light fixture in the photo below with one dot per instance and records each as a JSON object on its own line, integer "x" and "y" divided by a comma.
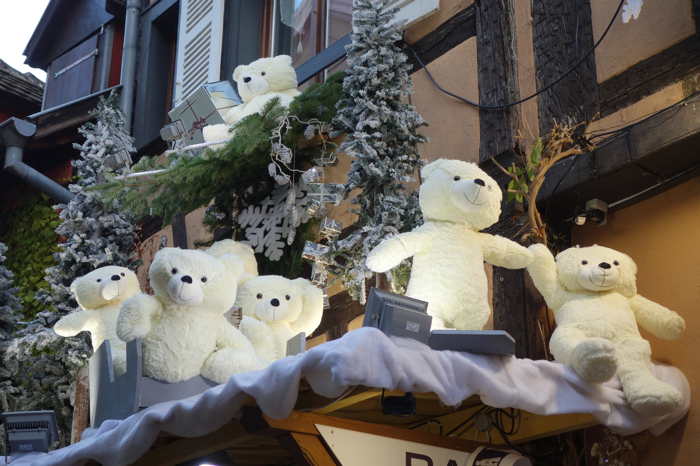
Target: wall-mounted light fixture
{"x": 595, "y": 211}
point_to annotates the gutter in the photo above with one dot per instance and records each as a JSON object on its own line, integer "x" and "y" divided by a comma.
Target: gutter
{"x": 14, "y": 134}
{"x": 129, "y": 55}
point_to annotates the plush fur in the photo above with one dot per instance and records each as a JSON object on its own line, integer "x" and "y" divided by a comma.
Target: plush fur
{"x": 258, "y": 83}
{"x": 275, "y": 309}
{"x": 457, "y": 199}
{"x": 100, "y": 295}
{"x": 183, "y": 325}
{"x": 593, "y": 293}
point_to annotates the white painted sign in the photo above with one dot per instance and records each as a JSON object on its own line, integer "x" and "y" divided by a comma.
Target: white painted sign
{"x": 360, "y": 449}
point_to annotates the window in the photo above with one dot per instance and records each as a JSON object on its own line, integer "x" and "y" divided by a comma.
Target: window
{"x": 303, "y": 28}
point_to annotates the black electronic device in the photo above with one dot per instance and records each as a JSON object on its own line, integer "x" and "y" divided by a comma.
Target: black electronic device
{"x": 398, "y": 315}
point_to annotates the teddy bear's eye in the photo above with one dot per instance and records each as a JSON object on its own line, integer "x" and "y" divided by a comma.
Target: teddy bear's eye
{"x": 173, "y": 271}
{"x": 123, "y": 274}
{"x": 616, "y": 263}
{"x": 259, "y": 296}
{"x": 99, "y": 280}
{"x": 287, "y": 297}
{"x": 204, "y": 279}
{"x": 584, "y": 262}
{"x": 457, "y": 178}
{"x": 262, "y": 74}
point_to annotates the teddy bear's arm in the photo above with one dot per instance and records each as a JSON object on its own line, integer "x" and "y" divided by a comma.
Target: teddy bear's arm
{"x": 503, "y": 252}
{"x": 72, "y": 324}
{"x": 390, "y": 252}
{"x": 543, "y": 271}
{"x": 261, "y": 337}
{"x": 657, "y": 319}
{"x": 136, "y": 315}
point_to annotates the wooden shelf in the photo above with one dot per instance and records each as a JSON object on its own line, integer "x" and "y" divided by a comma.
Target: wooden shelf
{"x": 259, "y": 439}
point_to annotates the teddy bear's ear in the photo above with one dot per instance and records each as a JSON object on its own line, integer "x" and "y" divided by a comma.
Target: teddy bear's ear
{"x": 237, "y": 72}
{"x": 284, "y": 60}
{"x": 312, "y": 311}
{"x": 74, "y": 285}
{"x": 628, "y": 286}
{"x": 431, "y": 168}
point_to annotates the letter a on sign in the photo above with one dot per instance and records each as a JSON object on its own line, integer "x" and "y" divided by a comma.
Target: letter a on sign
{"x": 385, "y": 450}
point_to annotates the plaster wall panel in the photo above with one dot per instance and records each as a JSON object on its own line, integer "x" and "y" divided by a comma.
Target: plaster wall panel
{"x": 453, "y": 130}
{"x": 661, "y": 235}
{"x": 660, "y": 25}
{"x": 197, "y": 232}
{"x": 147, "y": 250}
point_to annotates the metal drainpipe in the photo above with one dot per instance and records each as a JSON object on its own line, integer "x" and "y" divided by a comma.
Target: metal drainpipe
{"x": 14, "y": 134}
{"x": 129, "y": 55}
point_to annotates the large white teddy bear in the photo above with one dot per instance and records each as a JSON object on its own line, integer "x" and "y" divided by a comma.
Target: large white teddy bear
{"x": 457, "y": 199}
{"x": 100, "y": 294}
{"x": 183, "y": 327}
{"x": 593, "y": 293}
{"x": 258, "y": 83}
{"x": 275, "y": 309}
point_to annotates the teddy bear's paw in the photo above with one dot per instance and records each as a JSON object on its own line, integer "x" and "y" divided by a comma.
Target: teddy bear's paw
{"x": 652, "y": 397}
{"x": 379, "y": 263}
{"x": 674, "y": 327}
{"x": 594, "y": 360}
{"x": 224, "y": 363}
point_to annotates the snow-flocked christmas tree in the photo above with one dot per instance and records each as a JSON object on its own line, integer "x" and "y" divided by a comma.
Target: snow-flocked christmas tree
{"x": 42, "y": 366}
{"x": 383, "y": 138}
{"x": 96, "y": 233}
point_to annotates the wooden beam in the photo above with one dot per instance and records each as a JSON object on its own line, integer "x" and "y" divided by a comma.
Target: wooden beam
{"x": 496, "y": 58}
{"x": 448, "y": 35}
{"x": 650, "y": 75}
{"x": 309, "y": 449}
{"x": 562, "y": 33}
{"x": 190, "y": 448}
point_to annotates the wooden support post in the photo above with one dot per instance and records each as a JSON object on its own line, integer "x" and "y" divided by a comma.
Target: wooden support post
{"x": 81, "y": 406}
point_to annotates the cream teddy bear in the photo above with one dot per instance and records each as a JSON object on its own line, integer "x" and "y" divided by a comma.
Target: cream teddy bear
{"x": 275, "y": 309}
{"x": 183, "y": 326}
{"x": 593, "y": 293}
{"x": 100, "y": 294}
{"x": 457, "y": 200}
{"x": 258, "y": 83}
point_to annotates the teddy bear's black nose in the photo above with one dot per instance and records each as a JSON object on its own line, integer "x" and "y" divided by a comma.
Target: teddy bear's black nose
{"x": 186, "y": 279}
{"x": 479, "y": 181}
{"x": 604, "y": 265}
{"x": 246, "y": 79}
{"x": 116, "y": 277}
{"x": 275, "y": 302}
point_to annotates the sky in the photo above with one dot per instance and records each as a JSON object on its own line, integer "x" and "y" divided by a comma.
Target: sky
{"x": 18, "y": 18}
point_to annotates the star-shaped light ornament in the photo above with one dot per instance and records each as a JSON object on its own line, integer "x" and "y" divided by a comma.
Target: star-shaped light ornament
{"x": 631, "y": 10}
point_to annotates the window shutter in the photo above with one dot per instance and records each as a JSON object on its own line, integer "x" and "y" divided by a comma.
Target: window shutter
{"x": 199, "y": 45}
{"x": 413, "y": 11}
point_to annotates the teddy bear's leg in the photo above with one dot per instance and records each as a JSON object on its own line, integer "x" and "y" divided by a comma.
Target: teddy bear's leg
{"x": 225, "y": 362}
{"x": 473, "y": 317}
{"x": 592, "y": 358}
{"x": 645, "y": 393}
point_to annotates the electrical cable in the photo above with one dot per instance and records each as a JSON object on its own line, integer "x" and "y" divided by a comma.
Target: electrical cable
{"x": 538, "y": 92}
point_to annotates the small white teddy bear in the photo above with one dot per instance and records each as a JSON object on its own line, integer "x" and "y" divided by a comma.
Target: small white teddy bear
{"x": 183, "y": 326}
{"x": 100, "y": 294}
{"x": 258, "y": 83}
{"x": 275, "y": 309}
{"x": 593, "y": 293}
{"x": 457, "y": 200}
